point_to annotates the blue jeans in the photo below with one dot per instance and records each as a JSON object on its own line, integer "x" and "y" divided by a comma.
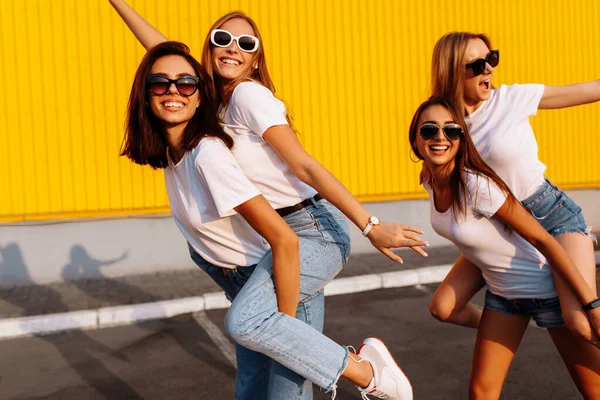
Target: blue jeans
{"x": 260, "y": 331}
{"x": 258, "y": 375}
{"x": 555, "y": 211}
{"x": 254, "y": 321}
{"x": 545, "y": 312}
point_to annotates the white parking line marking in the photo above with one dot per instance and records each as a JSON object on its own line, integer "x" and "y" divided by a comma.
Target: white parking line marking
{"x": 423, "y": 289}
{"x": 223, "y": 344}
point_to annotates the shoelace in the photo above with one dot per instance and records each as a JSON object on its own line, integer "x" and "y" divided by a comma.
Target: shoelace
{"x": 374, "y": 392}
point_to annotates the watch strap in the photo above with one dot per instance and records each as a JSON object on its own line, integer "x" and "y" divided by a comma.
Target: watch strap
{"x": 367, "y": 229}
{"x": 591, "y": 305}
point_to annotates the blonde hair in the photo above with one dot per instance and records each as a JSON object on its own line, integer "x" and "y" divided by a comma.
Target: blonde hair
{"x": 259, "y": 74}
{"x": 448, "y": 65}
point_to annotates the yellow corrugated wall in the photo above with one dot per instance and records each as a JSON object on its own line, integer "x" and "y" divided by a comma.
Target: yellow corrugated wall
{"x": 350, "y": 71}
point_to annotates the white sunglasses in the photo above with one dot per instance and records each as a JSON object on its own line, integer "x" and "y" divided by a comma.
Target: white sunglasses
{"x": 223, "y": 38}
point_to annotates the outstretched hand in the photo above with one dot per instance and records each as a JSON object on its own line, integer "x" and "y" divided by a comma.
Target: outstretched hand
{"x": 388, "y": 235}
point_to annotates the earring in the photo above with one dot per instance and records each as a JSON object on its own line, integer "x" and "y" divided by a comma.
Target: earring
{"x": 256, "y": 66}
{"x": 410, "y": 153}
{"x": 197, "y": 105}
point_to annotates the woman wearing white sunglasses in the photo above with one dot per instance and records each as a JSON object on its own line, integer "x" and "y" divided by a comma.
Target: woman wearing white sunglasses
{"x": 271, "y": 156}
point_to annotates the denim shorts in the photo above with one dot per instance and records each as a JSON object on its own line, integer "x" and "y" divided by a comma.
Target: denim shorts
{"x": 556, "y": 211}
{"x": 545, "y": 312}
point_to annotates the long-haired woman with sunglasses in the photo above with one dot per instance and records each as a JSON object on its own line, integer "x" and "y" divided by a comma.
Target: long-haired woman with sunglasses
{"x": 473, "y": 207}
{"x": 498, "y": 119}
{"x": 297, "y": 186}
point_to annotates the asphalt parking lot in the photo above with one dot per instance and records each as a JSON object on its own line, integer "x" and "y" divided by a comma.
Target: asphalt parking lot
{"x": 187, "y": 357}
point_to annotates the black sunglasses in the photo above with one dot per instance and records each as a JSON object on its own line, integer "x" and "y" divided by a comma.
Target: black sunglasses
{"x": 429, "y": 130}
{"x": 478, "y": 66}
{"x": 159, "y": 84}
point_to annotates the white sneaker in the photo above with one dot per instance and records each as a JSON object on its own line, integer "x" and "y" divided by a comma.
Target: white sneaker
{"x": 389, "y": 382}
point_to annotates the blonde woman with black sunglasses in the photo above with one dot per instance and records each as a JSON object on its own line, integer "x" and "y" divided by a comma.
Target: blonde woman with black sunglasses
{"x": 498, "y": 119}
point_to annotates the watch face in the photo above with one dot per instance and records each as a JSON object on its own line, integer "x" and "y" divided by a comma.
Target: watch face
{"x": 374, "y": 220}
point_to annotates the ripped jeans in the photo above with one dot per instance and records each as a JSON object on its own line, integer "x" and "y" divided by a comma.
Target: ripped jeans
{"x": 556, "y": 211}
{"x": 275, "y": 351}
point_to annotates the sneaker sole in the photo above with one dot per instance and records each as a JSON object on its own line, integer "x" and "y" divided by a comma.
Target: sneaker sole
{"x": 378, "y": 344}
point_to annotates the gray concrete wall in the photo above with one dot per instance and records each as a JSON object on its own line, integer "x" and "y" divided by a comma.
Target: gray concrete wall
{"x": 50, "y": 252}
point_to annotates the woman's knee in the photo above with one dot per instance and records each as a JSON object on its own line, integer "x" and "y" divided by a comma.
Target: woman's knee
{"x": 440, "y": 309}
{"x": 237, "y": 326}
{"x": 481, "y": 391}
{"x": 590, "y": 392}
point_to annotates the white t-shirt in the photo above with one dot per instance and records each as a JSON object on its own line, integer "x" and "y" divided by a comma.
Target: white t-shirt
{"x": 503, "y": 136}
{"x": 511, "y": 266}
{"x": 203, "y": 188}
{"x": 252, "y": 110}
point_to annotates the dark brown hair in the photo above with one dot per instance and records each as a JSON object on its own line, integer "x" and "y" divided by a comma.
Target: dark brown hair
{"x": 145, "y": 140}
{"x": 448, "y": 65}
{"x": 467, "y": 157}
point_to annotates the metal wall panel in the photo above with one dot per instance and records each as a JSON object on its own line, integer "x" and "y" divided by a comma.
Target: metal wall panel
{"x": 351, "y": 72}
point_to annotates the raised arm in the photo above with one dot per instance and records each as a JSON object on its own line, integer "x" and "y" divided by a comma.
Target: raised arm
{"x": 516, "y": 217}
{"x": 284, "y": 244}
{"x": 383, "y": 237}
{"x": 570, "y": 95}
{"x": 148, "y": 35}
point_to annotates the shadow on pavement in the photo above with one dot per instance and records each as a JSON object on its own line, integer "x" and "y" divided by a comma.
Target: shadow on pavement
{"x": 78, "y": 352}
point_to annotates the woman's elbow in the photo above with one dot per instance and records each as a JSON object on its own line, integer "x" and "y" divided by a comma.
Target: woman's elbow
{"x": 305, "y": 170}
{"x": 285, "y": 240}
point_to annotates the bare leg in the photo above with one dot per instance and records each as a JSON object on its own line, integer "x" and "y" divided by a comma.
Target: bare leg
{"x": 582, "y": 360}
{"x": 450, "y": 302}
{"x": 498, "y": 338}
{"x": 581, "y": 250}
{"x": 357, "y": 372}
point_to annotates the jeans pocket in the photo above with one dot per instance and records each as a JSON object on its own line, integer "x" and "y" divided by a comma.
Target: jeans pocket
{"x": 551, "y": 303}
{"x": 302, "y": 226}
{"x": 544, "y": 209}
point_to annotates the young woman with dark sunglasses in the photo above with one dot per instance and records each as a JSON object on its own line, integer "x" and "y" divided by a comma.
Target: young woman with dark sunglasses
{"x": 473, "y": 207}
{"x": 498, "y": 119}
{"x": 172, "y": 124}
{"x": 298, "y": 187}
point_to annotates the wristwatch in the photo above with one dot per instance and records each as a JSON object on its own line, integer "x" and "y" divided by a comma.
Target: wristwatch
{"x": 591, "y": 305}
{"x": 373, "y": 221}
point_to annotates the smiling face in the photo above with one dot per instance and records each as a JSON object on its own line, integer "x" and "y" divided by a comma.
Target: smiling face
{"x": 172, "y": 108}
{"x": 440, "y": 151}
{"x": 230, "y": 62}
{"x": 477, "y": 88}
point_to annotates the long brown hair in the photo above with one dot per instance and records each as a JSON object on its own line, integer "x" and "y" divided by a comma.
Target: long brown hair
{"x": 145, "y": 140}
{"x": 467, "y": 157}
{"x": 448, "y": 65}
